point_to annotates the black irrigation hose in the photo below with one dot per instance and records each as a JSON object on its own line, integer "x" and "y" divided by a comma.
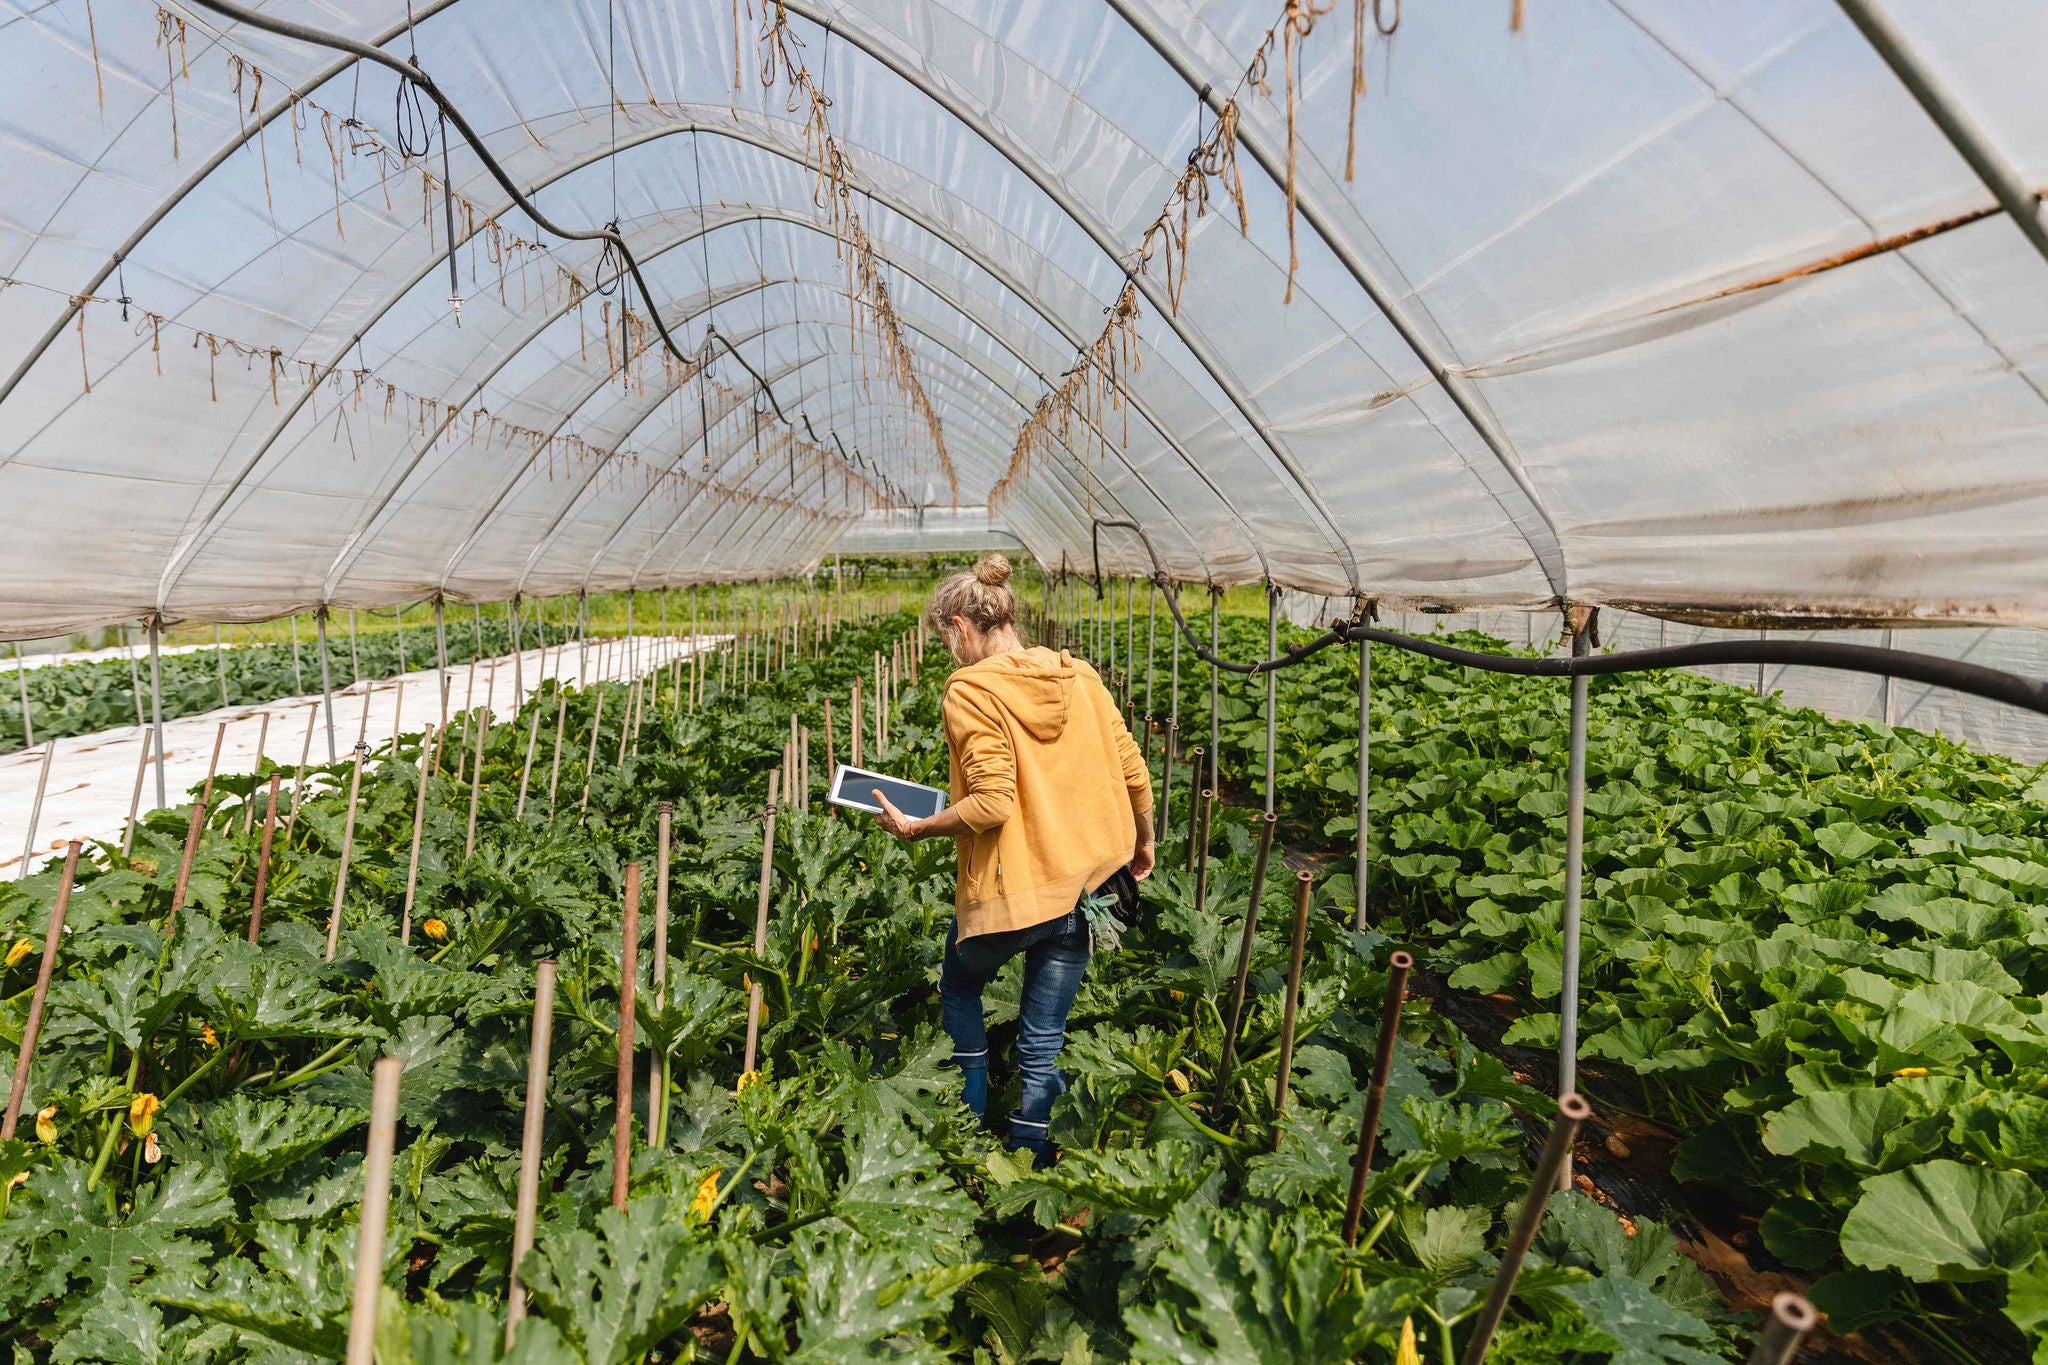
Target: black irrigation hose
{"x": 407, "y": 71}
{"x": 1974, "y": 679}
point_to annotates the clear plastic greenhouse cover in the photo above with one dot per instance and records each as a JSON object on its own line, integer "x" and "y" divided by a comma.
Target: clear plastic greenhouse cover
{"x": 1652, "y": 303}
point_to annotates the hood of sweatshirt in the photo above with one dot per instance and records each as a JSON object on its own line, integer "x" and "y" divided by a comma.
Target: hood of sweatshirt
{"x": 1035, "y": 685}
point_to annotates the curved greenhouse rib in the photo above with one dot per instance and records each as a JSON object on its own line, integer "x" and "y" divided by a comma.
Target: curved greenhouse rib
{"x": 994, "y": 378}
{"x": 780, "y": 215}
{"x": 803, "y": 221}
{"x": 215, "y": 516}
{"x": 1218, "y": 373}
{"x": 252, "y": 128}
{"x": 1542, "y": 539}
{"x": 913, "y": 325}
{"x": 736, "y": 450}
{"x": 1162, "y": 306}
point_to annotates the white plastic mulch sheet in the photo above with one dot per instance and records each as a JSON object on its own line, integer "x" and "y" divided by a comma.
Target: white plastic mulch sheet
{"x": 91, "y": 781}
{"x": 1731, "y": 322}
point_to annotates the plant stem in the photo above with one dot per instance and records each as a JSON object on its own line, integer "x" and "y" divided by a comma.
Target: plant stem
{"x": 309, "y": 1070}
{"x": 99, "y": 1167}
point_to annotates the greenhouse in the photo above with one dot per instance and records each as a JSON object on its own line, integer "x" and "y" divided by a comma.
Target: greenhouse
{"x": 1117, "y": 680}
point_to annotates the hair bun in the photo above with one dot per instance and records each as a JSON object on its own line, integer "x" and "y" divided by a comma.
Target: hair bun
{"x": 992, "y": 572}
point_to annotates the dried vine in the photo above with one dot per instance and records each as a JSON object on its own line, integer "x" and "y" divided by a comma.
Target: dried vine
{"x": 781, "y": 61}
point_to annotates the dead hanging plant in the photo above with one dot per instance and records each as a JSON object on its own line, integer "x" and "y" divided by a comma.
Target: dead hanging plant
{"x": 781, "y": 60}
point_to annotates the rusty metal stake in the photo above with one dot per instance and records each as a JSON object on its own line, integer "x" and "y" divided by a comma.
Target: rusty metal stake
{"x": 1202, "y": 857}
{"x": 1398, "y": 966}
{"x": 1304, "y": 885}
{"x": 263, "y": 859}
{"x": 1244, "y": 955}
{"x": 1195, "y": 794}
{"x": 629, "y": 973}
{"x": 1792, "y": 1317}
{"x": 52, "y": 937}
{"x": 761, "y": 922}
{"x": 1571, "y": 1112}
{"x": 525, "y": 1212}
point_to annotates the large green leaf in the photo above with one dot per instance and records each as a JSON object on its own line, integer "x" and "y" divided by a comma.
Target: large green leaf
{"x": 1943, "y": 1220}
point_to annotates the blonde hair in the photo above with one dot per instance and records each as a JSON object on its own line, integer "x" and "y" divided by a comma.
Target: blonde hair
{"x": 981, "y": 595}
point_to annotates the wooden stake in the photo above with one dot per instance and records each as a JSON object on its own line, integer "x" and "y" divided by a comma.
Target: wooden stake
{"x": 348, "y": 840}
{"x": 761, "y": 924}
{"x": 629, "y": 970}
{"x": 526, "y": 768}
{"x": 376, "y": 1208}
{"x": 52, "y": 937}
{"x": 135, "y": 797}
{"x": 555, "y": 768}
{"x": 476, "y": 780}
{"x": 428, "y": 737}
{"x": 263, "y": 859}
{"x": 657, "y": 1068}
{"x": 192, "y": 831}
{"x": 526, "y": 1211}
{"x": 590, "y": 759}
{"x": 854, "y": 728}
{"x": 213, "y": 764}
{"x": 249, "y": 808}
{"x": 830, "y": 765}
{"x": 299, "y": 778}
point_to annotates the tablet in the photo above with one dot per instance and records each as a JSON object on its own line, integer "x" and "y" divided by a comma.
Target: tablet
{"x": 855, "y": 787}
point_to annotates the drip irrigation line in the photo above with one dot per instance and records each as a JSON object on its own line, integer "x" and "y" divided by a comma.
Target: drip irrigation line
{"x": 1993, "y": 684}
{"x": 610, "y": 234}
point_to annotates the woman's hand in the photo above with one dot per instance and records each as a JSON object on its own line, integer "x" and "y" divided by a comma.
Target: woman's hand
{"x": 896, "y": 822}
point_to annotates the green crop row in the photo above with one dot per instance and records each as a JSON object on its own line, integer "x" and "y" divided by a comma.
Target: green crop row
{"x": 1818, "y": 947}
{"x": 189, "y": 1172}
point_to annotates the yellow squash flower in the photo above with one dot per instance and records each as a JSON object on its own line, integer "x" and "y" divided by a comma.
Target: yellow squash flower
{"x": 22, "y": 948}
{"x": 208, "y": 1036}
{"x": 1178, "y": 1080}
{"x": 435, "y": 930}
{"x": 152, "y": 1149}
{"x": 707, "y": 1198}
{"x": 1910, "y": 1072}
{"x": 1407, "y": 1353}
{"x": 46, "y": 1124}
{"x": 142, "y": 1113}
{"x": 747, "y": 1078}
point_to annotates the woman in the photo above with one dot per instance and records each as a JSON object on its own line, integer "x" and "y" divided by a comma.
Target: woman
{"x": 1049, "y": 797}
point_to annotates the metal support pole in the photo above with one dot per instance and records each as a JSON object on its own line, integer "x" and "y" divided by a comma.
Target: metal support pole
{"x": 440, "y": 656}
{"x": 518, "y": 664}
{"x": 298, "y": 675}
{"x": 28, "y": 727}
{"x": 1272, "y": 686}
{"x": 1942, "y": 105}
{"x": 1151, "y": 644}
{"x": 1574, "y": 858}
{"x": 1362, "y": 873}
{"x": 326, "y": 681}
{"x": 1885, "y": 704}
{"x": 220, "y": 666}
{"x": 1215, "y": 782}
{"x": 156, "y": 700}
{"x": 1172, "y": 737}
{"x": 355, "y": 655}
{"x": 35, "y": 812}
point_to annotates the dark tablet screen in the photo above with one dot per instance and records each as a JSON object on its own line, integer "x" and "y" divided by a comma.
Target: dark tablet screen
{"x": 855, "y": 787}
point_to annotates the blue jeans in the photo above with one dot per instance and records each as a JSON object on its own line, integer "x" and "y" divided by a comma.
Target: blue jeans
{"x": 1055, "y": 956}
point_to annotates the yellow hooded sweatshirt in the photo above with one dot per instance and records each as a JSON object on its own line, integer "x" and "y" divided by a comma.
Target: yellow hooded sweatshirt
{"x": 1046, "y": 775}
